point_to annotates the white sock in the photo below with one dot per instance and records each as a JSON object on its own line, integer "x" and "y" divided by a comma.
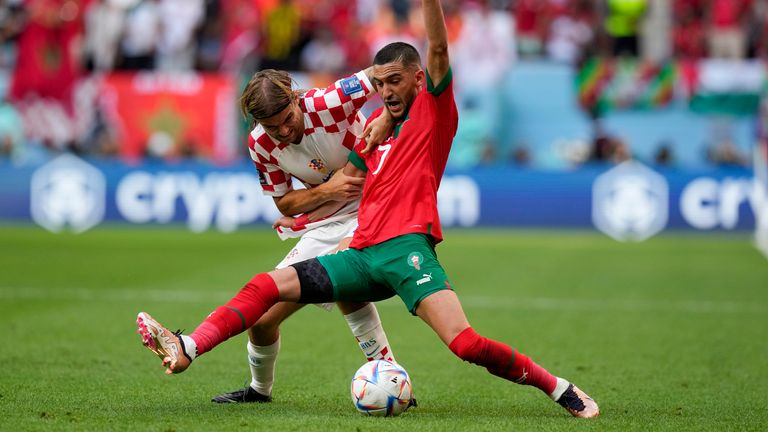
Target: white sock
{"x": 261, "y": 361}
{"x": 366, "y": 326}
{"x": 560, "y": 388}
{"x": 190, "y": 347}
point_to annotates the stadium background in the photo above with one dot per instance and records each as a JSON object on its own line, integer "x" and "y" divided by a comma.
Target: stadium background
{"x": 552, "y": 95}
{"x": 586, "y": 126}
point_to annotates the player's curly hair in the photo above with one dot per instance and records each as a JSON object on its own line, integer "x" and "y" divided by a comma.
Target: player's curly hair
{"x": 399, "y": 52}
{"x": 267, "y": 93}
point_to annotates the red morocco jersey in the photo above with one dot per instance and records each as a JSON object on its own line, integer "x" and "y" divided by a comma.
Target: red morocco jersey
{"x": 404, "y": 172}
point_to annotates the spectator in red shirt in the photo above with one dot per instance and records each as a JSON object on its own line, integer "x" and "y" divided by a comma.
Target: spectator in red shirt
{"x": 688, "y": 34}
{"x": 726, "y": 25}
{"x": 530, "y": 26}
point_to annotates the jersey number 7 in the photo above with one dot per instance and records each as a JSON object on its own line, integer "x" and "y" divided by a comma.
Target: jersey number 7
{"x": 385, "y": 149}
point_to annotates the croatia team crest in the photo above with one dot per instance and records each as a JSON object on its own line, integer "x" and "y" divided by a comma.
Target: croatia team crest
{"x": 317, "y": 165}
{"x": 415, "y": 259}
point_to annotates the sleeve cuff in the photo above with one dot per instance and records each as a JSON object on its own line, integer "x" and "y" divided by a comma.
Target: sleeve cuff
{"x": 357, "y": 161}
{"x": 436, "y": 91}
{"x": 368, "y": 85}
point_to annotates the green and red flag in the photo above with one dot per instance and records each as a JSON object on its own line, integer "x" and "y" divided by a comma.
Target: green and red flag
{"x": 610, "y": 84}
{"x": 192, "y": 113}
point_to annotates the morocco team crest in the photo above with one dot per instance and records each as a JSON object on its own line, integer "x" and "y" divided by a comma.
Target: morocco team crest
{"x": 415, "y": 259}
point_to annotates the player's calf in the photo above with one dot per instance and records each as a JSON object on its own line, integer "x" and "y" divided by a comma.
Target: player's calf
{"x": 502, "y": 361}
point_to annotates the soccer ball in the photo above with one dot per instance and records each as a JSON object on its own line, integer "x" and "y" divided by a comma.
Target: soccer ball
{"x": 381, "y": 388}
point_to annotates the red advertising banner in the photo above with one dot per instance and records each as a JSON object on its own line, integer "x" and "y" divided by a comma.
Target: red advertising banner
{"x": 172, "y": 116}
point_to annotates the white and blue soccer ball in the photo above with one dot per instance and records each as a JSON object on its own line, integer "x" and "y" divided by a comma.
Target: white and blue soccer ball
{"x": 381, "y": 388}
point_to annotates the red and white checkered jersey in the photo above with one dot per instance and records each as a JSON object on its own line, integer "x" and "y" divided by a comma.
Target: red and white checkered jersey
{"x": 333, "y": 125}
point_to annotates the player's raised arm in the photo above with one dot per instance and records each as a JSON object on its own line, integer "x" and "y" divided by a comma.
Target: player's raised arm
{"x": 437, "y": 40}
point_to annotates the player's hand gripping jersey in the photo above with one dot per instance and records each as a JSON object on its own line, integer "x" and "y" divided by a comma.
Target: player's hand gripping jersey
{"x": 333, "y": 125}
{"x": 412, "y": 162}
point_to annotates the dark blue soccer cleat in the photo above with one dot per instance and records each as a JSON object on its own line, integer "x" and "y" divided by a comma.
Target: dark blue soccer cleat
{"x": 244, "y": 395}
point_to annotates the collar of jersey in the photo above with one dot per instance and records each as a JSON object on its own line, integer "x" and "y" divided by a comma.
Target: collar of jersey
{"x": 399, "y": 126}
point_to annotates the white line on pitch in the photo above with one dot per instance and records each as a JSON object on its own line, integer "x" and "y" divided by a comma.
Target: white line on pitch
{"x": 469, "y": 301}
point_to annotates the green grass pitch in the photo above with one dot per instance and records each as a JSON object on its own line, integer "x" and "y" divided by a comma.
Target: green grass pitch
{"x": 670, "y": 334}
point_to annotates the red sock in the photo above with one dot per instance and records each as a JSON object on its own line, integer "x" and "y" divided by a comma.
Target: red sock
{"x": 238, "y": 315}
{"x": 501, "y": 360}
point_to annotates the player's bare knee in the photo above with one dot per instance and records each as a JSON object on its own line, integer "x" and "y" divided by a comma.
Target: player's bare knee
{"x": 287, "y": 283}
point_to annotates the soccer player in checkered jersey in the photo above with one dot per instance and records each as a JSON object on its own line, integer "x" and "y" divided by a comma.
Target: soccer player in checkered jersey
{"x": 309, "y": 136}
{"x": 392, "y": 252}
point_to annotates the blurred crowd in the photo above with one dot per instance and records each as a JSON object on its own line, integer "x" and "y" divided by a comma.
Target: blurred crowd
{"x": 49, "y": 49}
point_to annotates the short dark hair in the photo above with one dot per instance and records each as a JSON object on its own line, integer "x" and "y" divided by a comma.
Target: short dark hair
{"x": 400, "y": 52}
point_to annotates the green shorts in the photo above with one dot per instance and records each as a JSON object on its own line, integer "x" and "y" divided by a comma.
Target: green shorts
{"x": 405, "y": 266}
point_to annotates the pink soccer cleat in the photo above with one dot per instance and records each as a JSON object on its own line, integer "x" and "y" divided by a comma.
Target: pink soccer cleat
{"x": 164, "y": 343}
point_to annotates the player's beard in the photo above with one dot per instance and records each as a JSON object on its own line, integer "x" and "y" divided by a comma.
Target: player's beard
{"x": 401, "y": 110}
{"x": 404, "y": 104}
{"x": 399, "y": 107}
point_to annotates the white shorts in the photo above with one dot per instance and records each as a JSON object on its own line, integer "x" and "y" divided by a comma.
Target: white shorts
{"x": 322, "y": 240}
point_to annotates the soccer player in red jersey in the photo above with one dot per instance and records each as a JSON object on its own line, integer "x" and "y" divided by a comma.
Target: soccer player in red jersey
{"x": 392, "y": 253}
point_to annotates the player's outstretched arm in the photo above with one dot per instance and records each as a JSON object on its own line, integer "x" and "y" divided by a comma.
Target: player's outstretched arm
{"x": 437, "y": 40}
